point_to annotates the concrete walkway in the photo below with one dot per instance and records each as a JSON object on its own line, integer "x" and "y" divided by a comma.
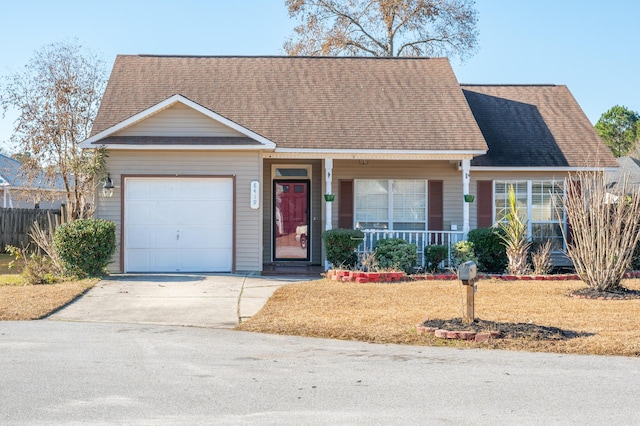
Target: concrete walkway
{"x": 217, "y": 301}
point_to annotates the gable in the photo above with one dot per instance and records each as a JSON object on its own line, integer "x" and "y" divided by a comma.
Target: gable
{"x": 136, "y": 132}
{"x": 180, "y": 121}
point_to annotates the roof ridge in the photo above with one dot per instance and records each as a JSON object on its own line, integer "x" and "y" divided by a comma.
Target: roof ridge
{"x": 411, "y": 58}
{"x": 511, "y": 85}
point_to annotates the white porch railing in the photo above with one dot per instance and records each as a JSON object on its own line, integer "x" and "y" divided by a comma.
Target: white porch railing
{"x": 419, "y": 238}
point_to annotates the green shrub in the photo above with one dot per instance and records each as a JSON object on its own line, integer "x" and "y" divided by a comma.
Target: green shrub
{"x": 396, "y": 253}
{"x": 85, "y": 246}
{"x": 462, "y": 251}
{"x": 489, "y": 249}
{"x": 340, "y": 246}
{"x": 434, "y": 255}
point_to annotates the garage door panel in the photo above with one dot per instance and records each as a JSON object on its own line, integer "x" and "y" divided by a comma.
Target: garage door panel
{"x": 195, "y": 237}
{"x": 192, "y": 260}
{"x": 178, "y": 224}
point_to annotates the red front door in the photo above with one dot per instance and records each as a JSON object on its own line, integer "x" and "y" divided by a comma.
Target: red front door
{"x": 291, "y": 220}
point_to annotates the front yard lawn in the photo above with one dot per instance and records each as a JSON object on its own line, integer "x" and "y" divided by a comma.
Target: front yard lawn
{"x": 389, "y": 313}
{"x": 29, "y": 302}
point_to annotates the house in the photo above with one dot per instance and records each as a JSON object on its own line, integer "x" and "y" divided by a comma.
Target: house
{"x": 629, "y": 170}
{"x": 17, "y": 191}
{"x": 222, "y": 163}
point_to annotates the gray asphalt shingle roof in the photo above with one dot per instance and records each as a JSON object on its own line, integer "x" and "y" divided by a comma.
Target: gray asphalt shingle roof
{"x": 534, "y": 126}
{"x": 338, "y": 103}
{"x": 303, "y": 102}
{"x": 11, "y": 175}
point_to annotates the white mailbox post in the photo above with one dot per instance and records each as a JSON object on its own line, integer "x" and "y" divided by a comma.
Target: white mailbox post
{"x": 467, "y": 273}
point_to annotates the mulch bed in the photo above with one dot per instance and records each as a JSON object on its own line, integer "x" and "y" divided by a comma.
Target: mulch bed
{"x": 618, "y": 294}
{"x": 506, "y": 329}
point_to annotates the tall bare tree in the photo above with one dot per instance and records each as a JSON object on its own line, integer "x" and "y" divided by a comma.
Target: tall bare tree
{"x": 57, "y": 97}
{"x": 605, "y": 229}
{"x": 383, "y": 28}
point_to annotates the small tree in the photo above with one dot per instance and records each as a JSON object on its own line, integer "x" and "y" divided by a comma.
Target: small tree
{"x": 514, "y": 236}
{"x": 57, "y": 97}
{"x": 604, "y": 228}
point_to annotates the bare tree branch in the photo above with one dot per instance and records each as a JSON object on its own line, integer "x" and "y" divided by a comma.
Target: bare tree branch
{"x": 57, "y": 97}
{"x": 375, "y": 27}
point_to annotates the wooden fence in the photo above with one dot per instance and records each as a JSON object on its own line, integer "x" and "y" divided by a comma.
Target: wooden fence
{"x": 15, "y": 225}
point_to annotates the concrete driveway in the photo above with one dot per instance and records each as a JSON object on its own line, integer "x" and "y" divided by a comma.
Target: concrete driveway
{"x": 218, "y": 301}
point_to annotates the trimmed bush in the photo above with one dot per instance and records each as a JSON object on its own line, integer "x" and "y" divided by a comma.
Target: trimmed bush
{"x": 340, "y": 246}
{"x": 434, "y": 255}
{"x": 396, "y": 253}
{"x": 462, "y": 251}
{"x": 85, "y": 246}
{"x": 489, "y": 249}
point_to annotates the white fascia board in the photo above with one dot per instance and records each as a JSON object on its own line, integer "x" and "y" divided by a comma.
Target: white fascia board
{"x": 542, "y": 169}
{"x": 370, "y": 154}
{"x": 90, "y": 143}
{"x": 118, "y": 146}
{"x": 380, "y": 151}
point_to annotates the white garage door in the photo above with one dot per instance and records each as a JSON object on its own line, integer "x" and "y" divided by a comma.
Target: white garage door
{"x": 178, "y": 225}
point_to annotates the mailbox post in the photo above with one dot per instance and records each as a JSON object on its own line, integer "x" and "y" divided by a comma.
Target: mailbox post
{"x": 467, "y": 272}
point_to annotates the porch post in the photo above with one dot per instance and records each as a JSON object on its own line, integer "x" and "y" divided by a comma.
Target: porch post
{"x": 328, "y": 177}
{"x": 466, "y": 178}
{"x": 328, "y": 171}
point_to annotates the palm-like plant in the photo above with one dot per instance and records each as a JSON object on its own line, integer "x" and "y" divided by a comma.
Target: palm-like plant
{"x": 515, "y": 237}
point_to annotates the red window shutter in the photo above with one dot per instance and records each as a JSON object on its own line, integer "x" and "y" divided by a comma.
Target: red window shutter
{"x": 485, "y": 203}
{"x": 574, "y": 188}
{"x": 345, "y": 204}
{"x": 436, "y": 205}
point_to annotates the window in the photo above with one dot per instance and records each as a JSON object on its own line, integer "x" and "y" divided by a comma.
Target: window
{"x": 539, "y": 203}
{"x": 399, "y": 205}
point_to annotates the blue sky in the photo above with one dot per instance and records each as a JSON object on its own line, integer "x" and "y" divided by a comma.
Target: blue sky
{"x": 588, "y": 45}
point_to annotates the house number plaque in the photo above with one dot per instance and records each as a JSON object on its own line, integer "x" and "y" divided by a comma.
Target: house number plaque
{"x": 255, "y": 195}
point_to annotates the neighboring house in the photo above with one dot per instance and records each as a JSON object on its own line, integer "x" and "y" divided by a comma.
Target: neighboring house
{"x": 221, "y": 163}
{"x": 629, "y": 170}
{"x": 16, "y": 191}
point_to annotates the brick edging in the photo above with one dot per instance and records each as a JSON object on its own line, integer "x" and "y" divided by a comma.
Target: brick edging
{"x": 380, "y": 277}
{"x": 458, "y": 335}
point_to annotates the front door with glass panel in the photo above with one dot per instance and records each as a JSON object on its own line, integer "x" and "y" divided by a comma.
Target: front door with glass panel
{"x": 291, "y": 219}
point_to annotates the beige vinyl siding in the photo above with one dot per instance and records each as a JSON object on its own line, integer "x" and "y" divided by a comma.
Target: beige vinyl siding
{"x": 428, "y": 170}
{"x": 317, "y": 223}
{"x": 245, "y": 166}
{"x": 179, "y": 120}
{"x": 511, "y": 175}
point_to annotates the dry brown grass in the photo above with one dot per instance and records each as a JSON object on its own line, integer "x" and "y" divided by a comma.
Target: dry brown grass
{"x": 29, "y": 302}
{"x": 388, "y": 313}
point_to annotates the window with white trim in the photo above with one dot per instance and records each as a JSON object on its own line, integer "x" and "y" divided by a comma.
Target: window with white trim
{"x": 393, "y": 204}
{"x": 540, "y": 203}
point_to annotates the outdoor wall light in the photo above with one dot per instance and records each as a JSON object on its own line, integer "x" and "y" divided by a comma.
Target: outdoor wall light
{"x": 107, "y": 187}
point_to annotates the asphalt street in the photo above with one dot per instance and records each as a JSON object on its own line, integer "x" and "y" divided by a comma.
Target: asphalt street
{"x": 57, "y": 372}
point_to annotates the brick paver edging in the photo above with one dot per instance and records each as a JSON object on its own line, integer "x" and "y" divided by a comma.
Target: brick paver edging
{"x": 378, "y": 277}
{"x": 459, "y": 335}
